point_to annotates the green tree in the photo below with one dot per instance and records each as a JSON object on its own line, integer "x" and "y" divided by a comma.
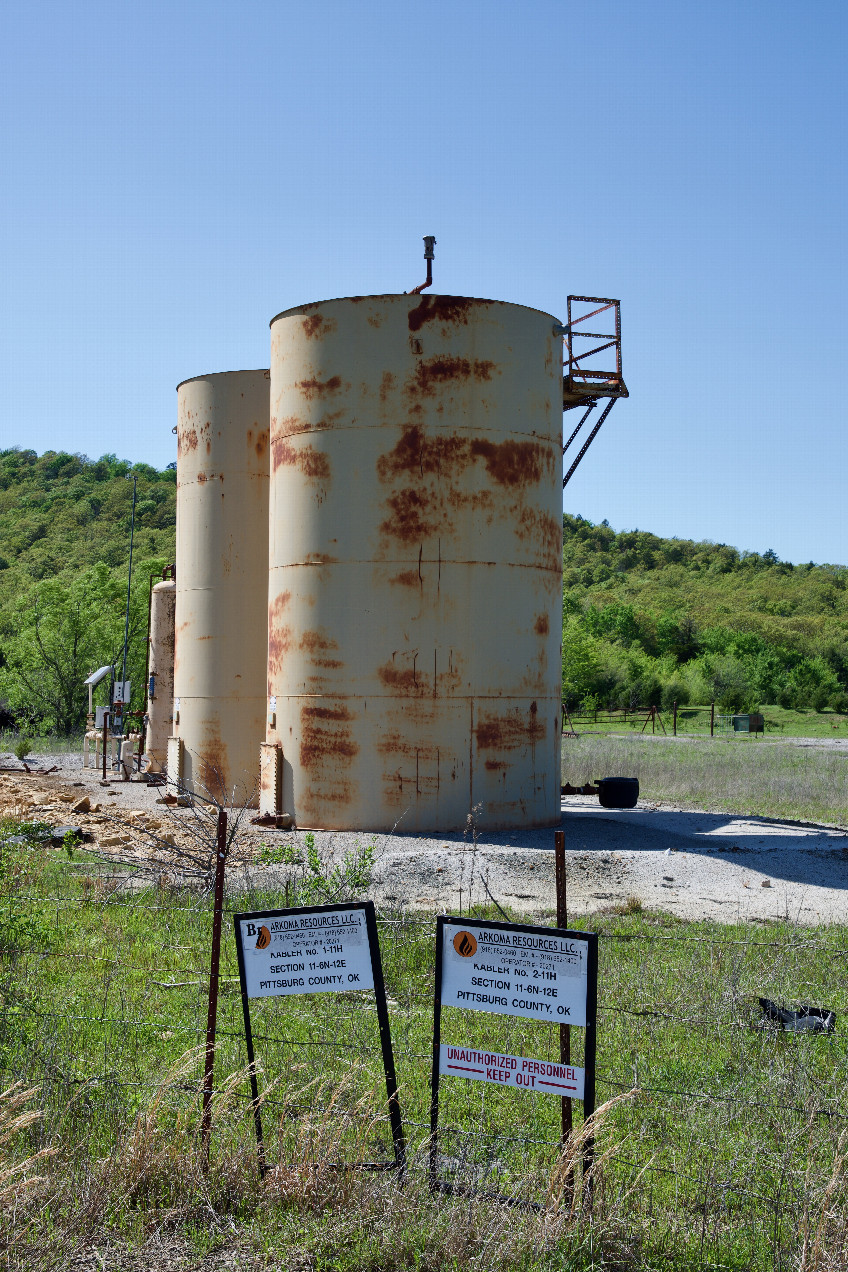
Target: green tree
{"x": 63, "y": 630}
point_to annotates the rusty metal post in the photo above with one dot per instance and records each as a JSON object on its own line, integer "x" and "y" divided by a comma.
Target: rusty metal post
{"x": 562, "y": 921}
{"x": 712, "y": 719}
{"x": 105, "y": 740}
{"x": 675, "y": 717}
{"x": 214, "y": 966}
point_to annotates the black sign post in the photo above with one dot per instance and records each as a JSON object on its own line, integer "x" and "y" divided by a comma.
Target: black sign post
{"x": 275, "y": 949}
{"x": 540, "y": 973}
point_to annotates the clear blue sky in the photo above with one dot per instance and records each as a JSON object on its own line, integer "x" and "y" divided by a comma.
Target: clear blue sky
{"x": 176, "y": 174}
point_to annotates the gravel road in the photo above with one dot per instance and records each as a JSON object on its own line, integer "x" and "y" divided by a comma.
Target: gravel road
{"x": 698, "y": 865}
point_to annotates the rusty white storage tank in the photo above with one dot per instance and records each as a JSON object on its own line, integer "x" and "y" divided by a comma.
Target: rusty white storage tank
{"x": 222, "y": 582}
{"x": 415, "y": 598}
{"x": 160, "y": 695}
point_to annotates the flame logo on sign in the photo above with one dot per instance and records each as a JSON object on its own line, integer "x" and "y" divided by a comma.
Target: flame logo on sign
{"x": 264, "y": 938}
{"x": 465, "y": 944}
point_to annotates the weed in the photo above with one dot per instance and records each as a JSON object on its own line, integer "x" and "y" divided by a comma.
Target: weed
{"x": 312, "y": 878}
{"x": 630, "y": 905}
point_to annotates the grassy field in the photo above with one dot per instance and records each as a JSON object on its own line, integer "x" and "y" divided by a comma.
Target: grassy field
{"x": 769, "y": 779}
{"x": 724, "y": 1150}
{"x": 780, "y": 722}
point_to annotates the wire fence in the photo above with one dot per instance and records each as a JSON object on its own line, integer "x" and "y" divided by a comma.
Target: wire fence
{"x": 672, "y": 720}
{"x": 731, "y": 1127}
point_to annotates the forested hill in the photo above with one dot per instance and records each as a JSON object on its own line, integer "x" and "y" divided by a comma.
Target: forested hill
{"x": 63, "y": 512}
{"x": 64, "y": 547}
{"x": 646, "y": 619}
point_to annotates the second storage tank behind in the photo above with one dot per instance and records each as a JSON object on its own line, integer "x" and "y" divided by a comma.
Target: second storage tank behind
{"x": 222, "y": 573}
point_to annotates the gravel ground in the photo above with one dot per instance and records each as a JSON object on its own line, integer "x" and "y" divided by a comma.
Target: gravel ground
{"x": 698, "y": 865}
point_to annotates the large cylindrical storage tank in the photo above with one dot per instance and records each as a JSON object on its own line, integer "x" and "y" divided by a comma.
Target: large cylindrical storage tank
{"x": 415, "y": 599}
{"x": 222, "y": 581}
{"x": 160, "y": 702}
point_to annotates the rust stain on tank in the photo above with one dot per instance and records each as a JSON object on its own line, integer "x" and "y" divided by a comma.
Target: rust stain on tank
{"x": 406, "y": 681}
{"x": 260, "y": 446}
{"x": 443, "y": 309}
{"x": 315, "y": 801}
{"x": 319, "y": 647}
{"x": 312, "y": 463}
{"x": 543, "y": 531}
{"x": 513, "y": 463}
{"x": 496, "y": 766}
{"x": 411, "y": 516}
{"x": 186, "y": 441}
{"x": 317, "y": 325}
{"x": 279, "y": 634}
{"x": 394, "y": 743}
{"x": 326, "y": 742}
{"x": 510, "y": 731}
{"x": 290, "y": 424}
{"x": 201, "y": 477}
{"x": 328, "y": 420}
{"x": 327, "y": 713}
{"x": 419, "y": 453}
{"x": 386, "y": 385}
{"x": 436, "y": 372}
{"x": 408, "y": 578}
{"x": 541, "y": 627}
{"x": 318, "y": 388}
{"x": 213, "y": 764}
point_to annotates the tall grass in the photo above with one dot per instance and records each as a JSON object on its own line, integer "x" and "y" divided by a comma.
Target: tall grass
{"x": 730, "y": 1152}
{"x": 772, "y": 780}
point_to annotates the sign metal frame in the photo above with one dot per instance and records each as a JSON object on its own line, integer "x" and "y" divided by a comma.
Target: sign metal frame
{"x": 590, "y": 941}
{"x": 395, "y": 1119}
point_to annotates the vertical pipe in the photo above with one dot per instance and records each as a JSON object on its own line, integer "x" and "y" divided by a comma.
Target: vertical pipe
{"x": 129, "y": 585}
{"x": 215, "y": 961}
{"x": 105, "y": 740}
{"x": 675, "y": 717}
{"x": 562, "y": 922}
{"x": 712, "y": 719}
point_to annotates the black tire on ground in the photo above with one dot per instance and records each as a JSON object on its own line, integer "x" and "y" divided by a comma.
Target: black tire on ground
{"x": 618, "y": 792}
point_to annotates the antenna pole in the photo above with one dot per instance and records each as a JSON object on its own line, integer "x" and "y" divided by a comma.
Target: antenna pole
{"x": 129, "y": 584}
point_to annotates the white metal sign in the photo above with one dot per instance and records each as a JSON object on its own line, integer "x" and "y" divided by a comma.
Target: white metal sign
{"x": 306, "y": 953}
{"x": 522, "y": 1072}
{"x": 121, "y": 692}
{"x": 514, "y": 973}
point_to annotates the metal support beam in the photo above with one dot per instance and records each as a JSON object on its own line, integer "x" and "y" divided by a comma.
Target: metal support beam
{"x": 589, "y": 409}
{"x": 588, "y": 442}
